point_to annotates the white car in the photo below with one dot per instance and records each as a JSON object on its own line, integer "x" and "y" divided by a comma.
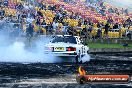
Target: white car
{"x": 67, "y": 46}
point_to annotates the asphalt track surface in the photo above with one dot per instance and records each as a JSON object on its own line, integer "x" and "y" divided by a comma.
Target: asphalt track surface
{"x": 62, "y": 75}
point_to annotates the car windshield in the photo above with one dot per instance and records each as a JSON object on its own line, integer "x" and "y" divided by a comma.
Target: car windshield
{"x": 65, "y": 39}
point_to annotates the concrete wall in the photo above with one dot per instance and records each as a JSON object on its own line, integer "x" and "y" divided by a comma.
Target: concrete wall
{"x": 106, "y": 50}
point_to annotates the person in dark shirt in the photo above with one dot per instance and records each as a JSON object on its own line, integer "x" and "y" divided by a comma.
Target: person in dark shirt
{"x": 53, "y": 8}
{"x": 110, "y": 20}
{"x": 98, "y": 25}
{"x": 106, "y": 29}
{"x": 56, "y": 17}
{"x": 1, "y": 3}
{"x": 49, "y": 7}
{"x": 38, "y": 21}
{"x": 43, "y": 23}
{"x": 19, "y": 6}
{"x": 49, "y": 28}
{"x": 79, "y": 22}
{"x": 84, "y": 34}
{"x": 85, "y": 22}
{"x": 33, "y": 14}
{"x": 61, "y": 20}
{"x": 129, "y": 21}
{"x": 39, "y": 13}
{"x": 99, "y": 33}
{"x": 5, "y": 2}
{"x": 116, "y": 26}
{"x": 2, "y": 12}
{"x": 90, "y": 29}
{"x": 42, "y": 6}
{"x": 24, "y": 15}
{"x": 29, "y": 31}
{"x": 70, "y": 31}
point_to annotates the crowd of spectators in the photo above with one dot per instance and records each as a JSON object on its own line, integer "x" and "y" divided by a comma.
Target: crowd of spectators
{"x": 44, "y": 18}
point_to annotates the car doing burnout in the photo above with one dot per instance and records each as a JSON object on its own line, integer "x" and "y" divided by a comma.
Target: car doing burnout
{"x": 67, "y": 45}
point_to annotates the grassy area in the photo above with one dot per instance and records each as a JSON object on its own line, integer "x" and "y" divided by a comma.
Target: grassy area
{"x": 105, "y": 45}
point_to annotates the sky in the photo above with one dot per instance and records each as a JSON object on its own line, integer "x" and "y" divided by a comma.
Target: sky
{"x": 122, "y": 3}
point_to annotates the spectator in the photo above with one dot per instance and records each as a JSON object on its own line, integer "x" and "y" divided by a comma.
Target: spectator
{"x": 55, "y": 24}
{"x": 99, "y": 33}
{"x": 60, "y": 16}
{"x": 26, "y": 6}
{"x": 1, "y": 3}
{"x": 31, "y": 6}
{"x": 29, "y": 31}
{"x": 84, "y": 34}
{"x": 116, "y": 26}
{"x": 38, "y": 21}
{"x": 128, "y": 21}
{"x": 110, "y": 20}
{"x": 24, "y": 15}
{"x": 19, "y": 6}
{"x": 98, "y": 25}
{"x": 106, "y": 29}
{"x": 85, "y": 22}
{"x": 70, "y": 31}
{"x": 43, "y": 23}
{"x": 39, "y": 13}
{"x": 79, "y": 22}
{"x": 5, "y": 2}
{"x": 2, "y": 12}
{"x": 90, "y": 28}
{"x": 41, "y": 5}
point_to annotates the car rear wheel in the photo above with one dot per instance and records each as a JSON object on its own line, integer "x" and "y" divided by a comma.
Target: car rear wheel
{"x": 77, "y": 59}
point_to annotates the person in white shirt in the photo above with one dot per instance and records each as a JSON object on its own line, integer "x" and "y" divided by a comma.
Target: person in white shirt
{"x": 31, "y": 7}
{"x": 55, "y": 26}
{"x": 26, "y": 6}
{"x": 29, "y": 20}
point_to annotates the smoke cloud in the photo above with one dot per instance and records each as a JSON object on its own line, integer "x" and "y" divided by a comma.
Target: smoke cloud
{"x": 86, "y": 58}
{"x": 16, "y": 52}
{"x": 14, "y": 49}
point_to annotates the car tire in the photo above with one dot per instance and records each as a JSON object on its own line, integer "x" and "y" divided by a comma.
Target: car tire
{"x": 77, "y": 59}
{"x": 88, "y": 52}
